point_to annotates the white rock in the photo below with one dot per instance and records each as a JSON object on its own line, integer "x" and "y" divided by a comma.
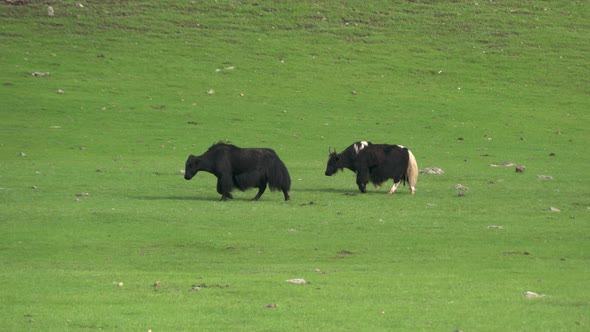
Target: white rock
{"x": 432, "y": 170}
{"x": 297, "y": 281}
{"x": 461, "y": 187}
{"x": 532, "y": 295}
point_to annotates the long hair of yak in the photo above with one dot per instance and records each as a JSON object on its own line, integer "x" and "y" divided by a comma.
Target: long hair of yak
{"x": 412, "y": 173}
{"x": 272, "y": 170}
{"x": 384, "y": 167}
{"x": 278, "y": 175}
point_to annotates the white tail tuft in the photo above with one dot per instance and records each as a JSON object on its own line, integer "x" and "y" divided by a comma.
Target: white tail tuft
{"x": 412, "y": 172}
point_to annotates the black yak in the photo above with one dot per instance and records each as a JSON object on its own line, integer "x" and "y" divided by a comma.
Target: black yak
{"x": 240, "y": 168}
{"x": 376, "y": 163}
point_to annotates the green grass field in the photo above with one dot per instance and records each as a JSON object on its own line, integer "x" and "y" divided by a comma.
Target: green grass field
{"x": 95, "y": 210}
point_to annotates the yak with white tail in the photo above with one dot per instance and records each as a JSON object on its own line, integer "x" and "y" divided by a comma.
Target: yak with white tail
{"x": 376, "y": 163}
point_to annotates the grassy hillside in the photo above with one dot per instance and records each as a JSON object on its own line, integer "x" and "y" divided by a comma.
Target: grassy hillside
{"x": 92, "y": 195}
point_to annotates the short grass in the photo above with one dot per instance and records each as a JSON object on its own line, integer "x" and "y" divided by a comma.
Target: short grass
{"x": 464, "y": 84}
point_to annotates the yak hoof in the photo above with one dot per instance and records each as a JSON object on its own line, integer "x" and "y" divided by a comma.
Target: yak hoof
{"x": 225, "y": 197}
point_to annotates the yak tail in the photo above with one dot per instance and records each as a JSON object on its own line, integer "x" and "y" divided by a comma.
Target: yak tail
{"x": 278, "y": 175}
{"x": 412, "y": 172}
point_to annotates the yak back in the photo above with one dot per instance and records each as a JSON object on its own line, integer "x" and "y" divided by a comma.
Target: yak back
{"x": 249, "y": 167}
{"x": 384, "y": 161}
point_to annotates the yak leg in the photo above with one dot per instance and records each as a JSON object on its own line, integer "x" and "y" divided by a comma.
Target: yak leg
{"x": 225, "y": 197}
{"x": 362, "y": 187}
{"x": 286, "y": 193}
{"x": 224, "y": 187}
{"x": 261, "y": 190}
{"x": 392, "y": 190}
{"x": 362, "y": 180}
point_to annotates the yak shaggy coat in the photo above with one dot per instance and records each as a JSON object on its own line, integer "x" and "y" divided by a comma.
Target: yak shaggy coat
{"x": 376, "y": 163}
{"x": 241, "y": 168}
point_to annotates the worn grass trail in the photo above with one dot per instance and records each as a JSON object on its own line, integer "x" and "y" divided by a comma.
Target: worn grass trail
{"x": 92, "y": 195}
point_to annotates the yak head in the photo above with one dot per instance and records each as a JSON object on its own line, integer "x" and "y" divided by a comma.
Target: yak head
{"x": 191, "y": 167}
{"x": 333, "y": 163}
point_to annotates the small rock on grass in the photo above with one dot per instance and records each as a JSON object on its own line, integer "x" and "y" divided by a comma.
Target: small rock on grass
{"x": 532, "y": 295}
{"x": 460, "y": 187}
{"x": 505, "y": 163}
{"x": 432, "y": 170}
{"x": 297, "y": 281}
